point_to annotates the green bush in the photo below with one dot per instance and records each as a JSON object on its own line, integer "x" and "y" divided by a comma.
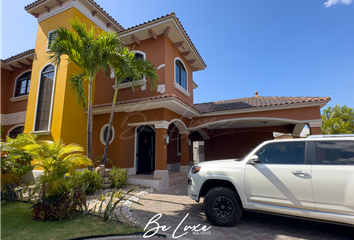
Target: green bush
{"x": 92, "y": 178}
{"x": 118, "y": 177}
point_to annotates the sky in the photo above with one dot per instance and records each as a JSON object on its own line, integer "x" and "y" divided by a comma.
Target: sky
{"x": 276, "y": 47}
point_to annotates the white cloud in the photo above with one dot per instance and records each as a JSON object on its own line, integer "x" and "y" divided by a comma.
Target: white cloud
{"x": 332, "y": 2}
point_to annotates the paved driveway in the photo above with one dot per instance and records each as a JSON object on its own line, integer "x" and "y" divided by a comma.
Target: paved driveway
{"x": 174, "y": 205}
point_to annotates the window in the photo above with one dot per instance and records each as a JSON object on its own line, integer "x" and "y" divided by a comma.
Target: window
{"x": 181, "y": 76}
{"x": 52, "y": 35}
{"x": 104, "y": 134}
{"x": 137, "y": 56}
{"x": 282, "y": 153}
{"x": 23, "y": 85}
{"x": 16, "y": 131}
{"x": 178, "y": 144}
{"x": 44, "y": 102}
{"x": 335, "y": 152}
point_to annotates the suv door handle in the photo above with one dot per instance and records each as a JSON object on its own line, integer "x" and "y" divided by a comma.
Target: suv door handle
{"x": 301, "y": 174}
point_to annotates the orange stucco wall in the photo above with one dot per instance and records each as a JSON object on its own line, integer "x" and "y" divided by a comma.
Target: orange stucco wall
{"x": 233, "y": 144}
{"x": 8, "y": 79}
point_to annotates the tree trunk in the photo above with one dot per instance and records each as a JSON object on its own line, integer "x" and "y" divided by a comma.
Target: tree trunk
{"x": 89, "y": 120}
{"x": 104, "y": 160}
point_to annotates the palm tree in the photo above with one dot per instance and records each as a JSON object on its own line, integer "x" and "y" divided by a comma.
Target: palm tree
{"x": 90, "y": 51}
{"x": 338, "y": 120}
{"x": 58, "y": 161}
{"x": 125, "y": 65}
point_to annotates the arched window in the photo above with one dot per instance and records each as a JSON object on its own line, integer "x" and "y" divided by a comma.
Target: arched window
{"x": 137, "y": 56}
{"x": 44, "y": 101}
{"x": 181, "y": 75}
{"x": 13, "y": 133}
{"x": 23, "y": 84}
{"x": 104, "y": 134}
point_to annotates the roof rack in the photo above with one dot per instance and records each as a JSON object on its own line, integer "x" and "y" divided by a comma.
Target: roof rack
{"x": 331, "y": 135}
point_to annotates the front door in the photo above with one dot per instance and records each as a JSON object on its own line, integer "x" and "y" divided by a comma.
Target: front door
{"x": 145, "y": 156}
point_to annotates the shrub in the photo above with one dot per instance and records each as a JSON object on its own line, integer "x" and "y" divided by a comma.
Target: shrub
{"x": 59, "y": 207}
{"x": 93, "y": 179}
{"x": 8, "y": 192}
{"x": 118, "y": 177}
{"x": 14, "y": 160}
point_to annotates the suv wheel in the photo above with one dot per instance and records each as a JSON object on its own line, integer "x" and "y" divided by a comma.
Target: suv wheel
{"x": 222, "y": 207}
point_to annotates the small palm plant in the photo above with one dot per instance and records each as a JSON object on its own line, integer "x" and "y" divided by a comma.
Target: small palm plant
{"x": 59, "y": 193}
{"x": 58, "y": 162}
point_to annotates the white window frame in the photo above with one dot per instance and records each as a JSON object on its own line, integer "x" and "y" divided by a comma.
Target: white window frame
{"x": 45, "y": 132}
{"x": 103, "y": 141}
{"x": 48, "y": 36}
{"x": 14, "y": 127}
{"x": 137, "y": 83}
{"x": 176, "y": 85}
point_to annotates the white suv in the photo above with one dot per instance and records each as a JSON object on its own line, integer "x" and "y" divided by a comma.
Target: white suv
{"x": 310, "y": 178}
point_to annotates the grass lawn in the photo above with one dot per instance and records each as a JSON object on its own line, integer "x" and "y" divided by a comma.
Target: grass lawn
{"x": 17, "y": 223}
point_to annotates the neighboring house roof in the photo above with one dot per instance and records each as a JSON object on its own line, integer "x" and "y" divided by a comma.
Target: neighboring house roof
{"x": 256, "y": 102}
{"x": 16, "y": 62}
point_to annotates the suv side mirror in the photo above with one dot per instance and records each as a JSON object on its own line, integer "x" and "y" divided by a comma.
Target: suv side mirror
{"x": 254, "y": 160}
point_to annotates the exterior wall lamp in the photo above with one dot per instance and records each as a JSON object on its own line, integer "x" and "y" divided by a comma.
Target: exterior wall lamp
{"x": 167, "y": 138}
{"x": 189, "y": 142}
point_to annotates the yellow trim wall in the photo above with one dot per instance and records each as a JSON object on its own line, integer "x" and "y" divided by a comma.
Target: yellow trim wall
{"x": 69, "y": 121}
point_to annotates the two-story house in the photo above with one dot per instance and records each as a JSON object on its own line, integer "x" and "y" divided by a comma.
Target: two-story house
{"x": 153, "y": 131}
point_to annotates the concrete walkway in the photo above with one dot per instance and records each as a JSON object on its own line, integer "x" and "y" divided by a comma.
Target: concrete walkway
{"x": 179, "y": 211}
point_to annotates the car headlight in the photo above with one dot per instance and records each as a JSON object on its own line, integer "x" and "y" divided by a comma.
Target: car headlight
{"x": 196, "y": 169}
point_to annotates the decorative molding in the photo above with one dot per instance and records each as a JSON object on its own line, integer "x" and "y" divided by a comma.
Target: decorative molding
{"x": 136, "y": 39}
{"x": 36, "y": 15}
{"x": 102, "y": 134}
{"x": 161, "y": 124}
{"x": 47, "y": 8}
{"x": 59, "y": 3}
{"x": 167, "y": 31}
{"x": 161, "y": 66}
{"x": 40, "y": 133}
{"x": 143, "y": 87}
{"x": 195, "y": 69}
{"x": 29, "y": 60}
{"x": 178, "y": 44}
{"x": 20, "y": 98}
{"x": 180, "y": 88}
{"x": 13, "y": 118}
{"x": 152, "y": 34}
{"x": 315, "y": 123}
{"x": 161, "y": 88}
{"x": 190, "y": 62}
{"x": 185, "y": 54}
{"x": 94, "y": 13}
{"x": 195, "y": 86}
{"x": 108, "y": 25}
{"x": 130, "y": 84}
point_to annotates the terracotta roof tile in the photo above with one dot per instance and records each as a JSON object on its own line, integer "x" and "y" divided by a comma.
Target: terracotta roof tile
{"x": 255, "y": 102}
{"x": 30, "y": 51}
{"x": 167, "y": 15}
{"x": 145, "y": 99}
{"x": 93, "y": 2}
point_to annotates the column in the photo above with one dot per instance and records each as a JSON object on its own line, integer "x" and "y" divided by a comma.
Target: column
{"x": 161, "y": 171}
{"x": 315, "y": 127}
{"x": 184, "y": 152}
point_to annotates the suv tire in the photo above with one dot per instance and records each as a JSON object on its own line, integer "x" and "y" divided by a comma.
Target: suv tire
{"x": 222, "y": 206}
